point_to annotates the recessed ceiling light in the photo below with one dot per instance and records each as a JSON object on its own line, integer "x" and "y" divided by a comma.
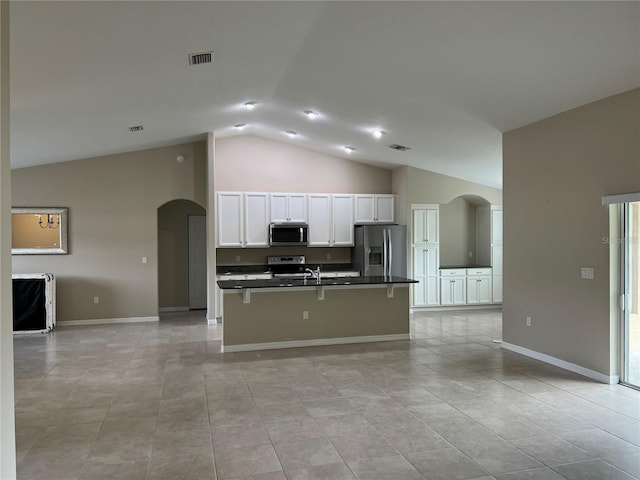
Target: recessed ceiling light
{"x": 311, "y": 115}
{"x": 378, "y": 133}
{"x": 240, "y": 126}
{"x": 249, "y": 105}
{"x": 349, "y": 149}
{"x": 291, "y": 133}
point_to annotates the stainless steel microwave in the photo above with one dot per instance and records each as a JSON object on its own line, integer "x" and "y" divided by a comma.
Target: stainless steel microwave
{"x": 288, "y": 234}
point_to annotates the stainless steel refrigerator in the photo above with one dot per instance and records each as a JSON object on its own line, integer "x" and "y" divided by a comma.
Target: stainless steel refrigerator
{"x": 380, "y": 250}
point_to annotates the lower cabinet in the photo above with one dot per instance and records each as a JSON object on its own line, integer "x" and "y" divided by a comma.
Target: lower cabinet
{"x": 479, "y": 286}
{"x": 426, "y": 292}
{"x": 453, "y": 288}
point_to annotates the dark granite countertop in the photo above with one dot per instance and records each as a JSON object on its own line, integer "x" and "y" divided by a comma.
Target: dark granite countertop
{"x": 298, "y": 282}
{"x": 451, "y": 267}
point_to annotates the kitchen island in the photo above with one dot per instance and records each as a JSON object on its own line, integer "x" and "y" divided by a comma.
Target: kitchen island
{"x": 287, "y": 313}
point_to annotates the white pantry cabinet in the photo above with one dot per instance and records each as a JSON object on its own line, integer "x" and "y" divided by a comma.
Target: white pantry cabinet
{"x": 288, "y": 207}
{"x": 426, "y": 261}
{"x": 243, "y": 219}
{"x": 374, "y": 208}
{"x": 489, "y": 237}
{"x": 330, "y": 220}
{"x": 426, "y": 224}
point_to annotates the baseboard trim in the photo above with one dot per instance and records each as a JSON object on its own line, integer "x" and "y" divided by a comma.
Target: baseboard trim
{"x": 459, "y": 308}
{"x": 315, "y": 342}
{"x": 107, "y": 321}
{"x": 173, "y": 309}
{"x": 572, "y": 367}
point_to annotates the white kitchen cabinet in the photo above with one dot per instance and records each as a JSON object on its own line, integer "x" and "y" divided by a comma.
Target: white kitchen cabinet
{"x": 243, "y": 219}
{"x": 256, "y": 219}
{"x": 496, "y": 280}
{"x": 453, "y": 287}
{"x": 319, "y": 214}
{"x": 426, "y": 262}
{"x": 288, "y": 207}
{"x": 342, "y": 220}
{"x": 479, "y": 286}
{"x": 489, "y": 245}
{"x": 426, "y": 224}
{"x": 230, "y": 219}
{"x": 330, "y": 220}
{"x": 374, "y": 208}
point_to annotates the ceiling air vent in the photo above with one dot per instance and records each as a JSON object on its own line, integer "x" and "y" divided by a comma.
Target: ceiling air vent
{"x": 136, "y": 128}
{"x": 399, "y": 148}
{"x": 200, "y": 58}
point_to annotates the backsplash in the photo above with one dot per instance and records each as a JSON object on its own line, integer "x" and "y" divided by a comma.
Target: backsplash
{"x": 258, "y": 256}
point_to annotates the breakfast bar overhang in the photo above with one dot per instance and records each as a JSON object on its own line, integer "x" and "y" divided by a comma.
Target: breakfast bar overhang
{"x": 271, "y": 314}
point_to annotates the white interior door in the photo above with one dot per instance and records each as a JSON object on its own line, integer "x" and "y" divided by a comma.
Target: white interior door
{"x": 197, "y": 262}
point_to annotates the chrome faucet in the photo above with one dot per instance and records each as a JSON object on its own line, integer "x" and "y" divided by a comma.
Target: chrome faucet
{"x": 312, "y": 273}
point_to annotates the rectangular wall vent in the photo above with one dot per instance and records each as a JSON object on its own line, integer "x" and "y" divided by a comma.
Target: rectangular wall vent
{"x": 399, "y": 148}
{"x": 136, "y": 128}
{"x": 199, "y": 58}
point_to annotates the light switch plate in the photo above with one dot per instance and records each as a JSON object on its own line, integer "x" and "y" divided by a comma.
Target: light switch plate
{"x": 587, "y": 272}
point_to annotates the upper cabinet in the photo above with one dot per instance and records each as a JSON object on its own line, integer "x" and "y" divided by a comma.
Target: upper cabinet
{"x": 288, "y": 207}
{"x": 256, "y": 220}
{"x": 330, "y": 220}
{"x": 230, "y": 219}
{"x": 243, "y": 219}
{"x": 426, "y": 224}
{"x": 342, "y": 220}
{"x": 375, "y": 208}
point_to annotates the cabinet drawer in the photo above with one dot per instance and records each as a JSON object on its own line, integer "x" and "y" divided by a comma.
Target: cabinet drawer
{"x": 453, "y": 272}
{"x": 474, "y": 272}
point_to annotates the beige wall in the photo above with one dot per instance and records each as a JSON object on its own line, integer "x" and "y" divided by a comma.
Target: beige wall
{"x": 555, "y": 174}
{"x": 457, "y": 233}
{"x": 113, "y": 206}
{"x": 173, "y": 252}
{"x": 422, "y": 186}
{"x": 248, "y": 163}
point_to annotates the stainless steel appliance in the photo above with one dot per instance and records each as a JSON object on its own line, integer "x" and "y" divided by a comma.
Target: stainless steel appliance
{"x": 290, "y": 266}
{"x": 288, "y": 234}
{"x": 380, "y": 250}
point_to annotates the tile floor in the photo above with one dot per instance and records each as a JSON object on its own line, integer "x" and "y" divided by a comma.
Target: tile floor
{"x": 159, "y": 401}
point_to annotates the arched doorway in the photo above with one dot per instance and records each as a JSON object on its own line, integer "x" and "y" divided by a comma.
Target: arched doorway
{"x": 182, "y": 256}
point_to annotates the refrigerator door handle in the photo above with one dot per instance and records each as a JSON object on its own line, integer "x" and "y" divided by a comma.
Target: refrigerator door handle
{"x": 384, "y": 252}
{"x": 390, "y": 253}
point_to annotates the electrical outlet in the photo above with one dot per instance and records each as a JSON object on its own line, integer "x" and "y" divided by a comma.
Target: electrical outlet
{"x": 237, "y": 258}
{"x": 96, "y": 299}
{"x": 470, "y": 254}
{"x": 586, "y": 272}
{"x": 328, "y": 256}
{"x": 305, "y": 315}
{"x": 528, "y": 321}
{"x": 145, "y": 260}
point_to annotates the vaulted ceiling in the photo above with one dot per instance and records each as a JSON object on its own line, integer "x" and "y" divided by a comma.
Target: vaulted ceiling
{"x": 443, "y": 78}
